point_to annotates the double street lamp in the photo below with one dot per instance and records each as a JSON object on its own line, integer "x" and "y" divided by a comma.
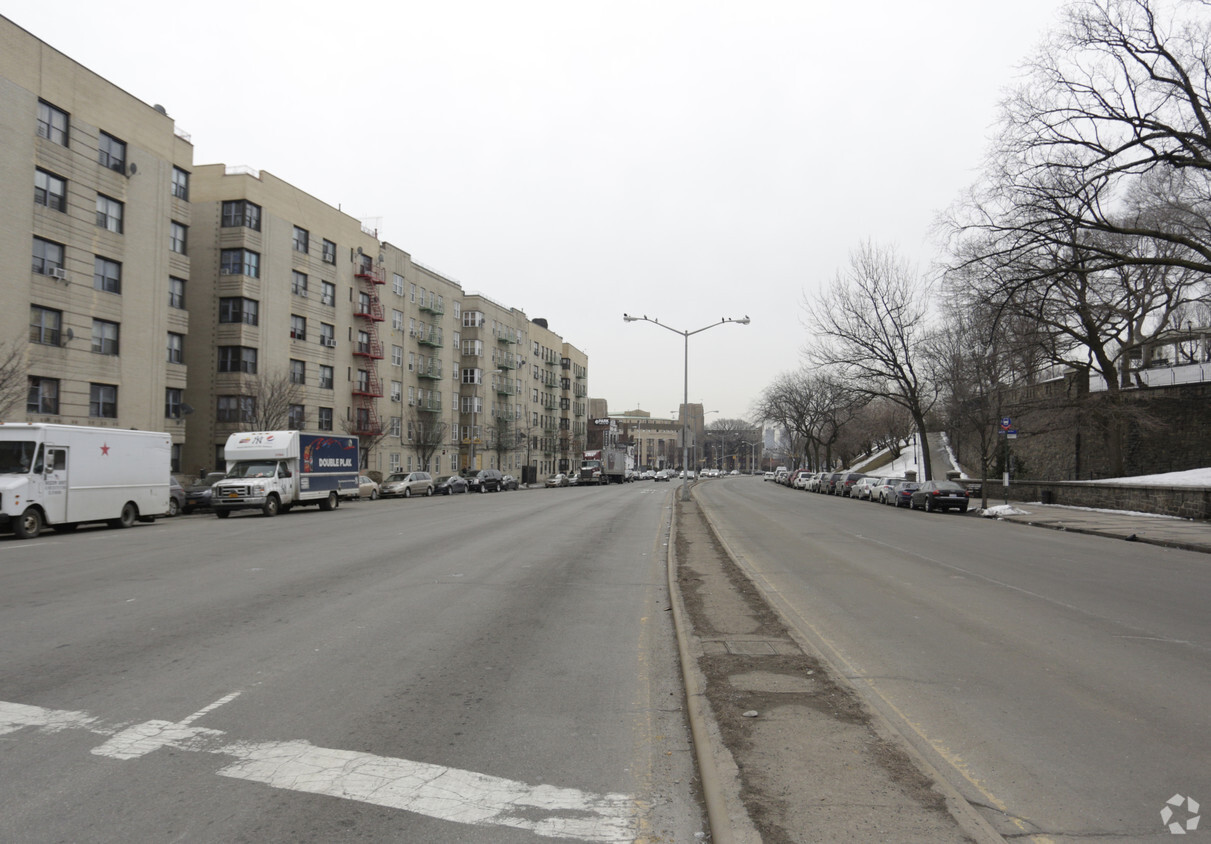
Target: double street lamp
{"x": 685, "y": 438}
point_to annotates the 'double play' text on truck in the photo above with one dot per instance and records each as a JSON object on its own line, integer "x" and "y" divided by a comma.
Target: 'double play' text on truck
{"x": 272, "y": 471}
{"x": 63, "y": 476}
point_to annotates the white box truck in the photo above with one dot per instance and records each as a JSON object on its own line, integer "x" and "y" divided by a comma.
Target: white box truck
{"x": 63, "y": 476}
{"x": 272, "y": 471}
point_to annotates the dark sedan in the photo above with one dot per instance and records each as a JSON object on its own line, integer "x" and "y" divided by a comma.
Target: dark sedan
{"x": 197, "y": 494}
{"x": 901, "y": 495}
{"x": 940, "y": 495}
{"x": 450, "y": 485}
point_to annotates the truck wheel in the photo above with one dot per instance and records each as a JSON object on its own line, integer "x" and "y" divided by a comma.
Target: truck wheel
{"x": 271, "y": 506}
{"x": 130, "y": 515}
{"x": 330, "y": 502}
{"x": 222, "y": 514}
{"x": 29, "y": 525}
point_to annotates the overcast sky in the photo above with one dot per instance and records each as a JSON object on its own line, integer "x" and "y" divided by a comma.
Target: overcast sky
{"x": 684, "y": 160}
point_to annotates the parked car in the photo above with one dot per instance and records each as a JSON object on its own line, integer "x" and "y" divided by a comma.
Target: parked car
{"x": 828, "y": 482}
{"x": 407, "y": 484}
{"x": 846, "y": 485}
{"x": 662, "y": 475}
{"x": 450, "y": 485}
{"x": 647, "y": 475}
{"x": 485, "y": 480}
{"x": 176, "y": 497}
{"x": 770, "y": 476}
{"x": 508, "y": 482}
{"x": 884, "y": 490}
{"x": 939, "y": 495}
{"x": 801, "y": 479}
{"x": 367, "y": 487}
{"x": 864, "y": 488}
{"x": 901, "y": 496}
{"x": 557, "y": 480}
{"x": 197, "y": 494}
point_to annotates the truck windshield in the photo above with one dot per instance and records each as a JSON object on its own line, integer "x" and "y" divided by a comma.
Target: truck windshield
{"x": 253, "y": 469}
{"x": 16, "y": 456}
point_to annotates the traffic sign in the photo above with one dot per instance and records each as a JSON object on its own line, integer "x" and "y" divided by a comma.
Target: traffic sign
{"x": 1006, "y": 422}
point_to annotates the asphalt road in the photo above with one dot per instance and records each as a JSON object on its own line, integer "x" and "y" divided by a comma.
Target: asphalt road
{"x": 1062, "y": 682}
{"x": 495, "y": 668}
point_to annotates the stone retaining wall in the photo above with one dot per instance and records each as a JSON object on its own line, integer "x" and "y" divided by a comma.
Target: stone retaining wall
{"x": 1189, "y": 502}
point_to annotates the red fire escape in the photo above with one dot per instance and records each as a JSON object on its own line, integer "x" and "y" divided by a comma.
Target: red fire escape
{"x": 369, "y": 387}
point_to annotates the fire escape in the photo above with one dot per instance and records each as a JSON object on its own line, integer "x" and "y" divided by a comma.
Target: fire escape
{"x": 369, "y": 351}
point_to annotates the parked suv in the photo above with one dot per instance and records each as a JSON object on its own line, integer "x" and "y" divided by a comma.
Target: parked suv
{"x": 407, "y": 484}
{"x": 486, "y": 480}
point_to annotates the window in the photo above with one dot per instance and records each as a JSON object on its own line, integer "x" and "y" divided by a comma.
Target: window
{"x": 52, "y": 123}
{"x": 411, "y": 361}
{"x": 178, "y": 238}
{"x": 239, "y": 213}
{"x": 173, "y": 400}
{"x": 325, "y": 377}
{"x": 393, "y": 430}
{"x": 397, "y": 284}
{"x": 107, "y": 275}
{"x": 180, "y": 183}
{"x": 44, "y": 325}
{"x": 302, "y": 240}
{"x": 298, "y": 327}
{"x": 397, "y": 320}
{"x": 412, "y": 292}
{"x": 109, "y": 213}
{"x": 298, "y": 284}
{"x": 43, "y": 396}
{"x": 472, "y": 319}
{"x": 296, "y": 417}
{"x": 105, "y": 337}
{"x": 324, "y": 419}
{"x": 472, "y": 376}
{"x": 397, "y": 355}
{"x": 176, "y": 347}
{"x": 298, "y": 371}
{"x": 397, "y": 391}
{"x": 329, "y": 252}
{"x": 111, "y": 152}
{"x": 327, "y": 335}
{"x": 327, "y": 293}
{"x": 50, "y": 190}
{"x": 473, "y": 347}
{"x": 237, "y": 359}
{"x": 240, "y": 262}
{"x": 176, "y": 292}
{"x": 363, "y": 342}
{"x": 235, "y": 408}
{"x": 103, "y": 401}
{"x": 238, "y": 309}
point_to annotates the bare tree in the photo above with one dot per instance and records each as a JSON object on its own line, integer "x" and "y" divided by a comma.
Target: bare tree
{"x": 273, "y": 396}
{"x": 14, "y": 383}
{"x": 428, "y": 435}
{"x": 871, "y": 322}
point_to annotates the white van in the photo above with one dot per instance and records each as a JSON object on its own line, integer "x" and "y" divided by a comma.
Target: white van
{"x": 63, "y": 476}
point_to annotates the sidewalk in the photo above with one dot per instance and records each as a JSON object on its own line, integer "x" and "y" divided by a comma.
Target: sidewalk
{"x": 1133, "y": 527}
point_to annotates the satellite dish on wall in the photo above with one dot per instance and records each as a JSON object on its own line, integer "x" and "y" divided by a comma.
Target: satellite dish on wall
{"x": 133, "y": 168}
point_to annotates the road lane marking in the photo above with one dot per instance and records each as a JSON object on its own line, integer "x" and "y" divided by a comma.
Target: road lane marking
{"x": 436, "y": 791}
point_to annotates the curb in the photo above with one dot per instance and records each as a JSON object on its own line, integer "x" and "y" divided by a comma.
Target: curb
{"x": 1163, "y": 543}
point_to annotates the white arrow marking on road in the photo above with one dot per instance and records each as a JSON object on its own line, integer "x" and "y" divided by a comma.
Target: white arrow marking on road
{"x": 433, "y": 790}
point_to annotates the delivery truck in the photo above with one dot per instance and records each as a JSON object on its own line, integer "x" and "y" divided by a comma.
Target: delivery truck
{"x": 606, "y": 465}
{"x": 272, "y": 471}
{"x": 63, "y": 476}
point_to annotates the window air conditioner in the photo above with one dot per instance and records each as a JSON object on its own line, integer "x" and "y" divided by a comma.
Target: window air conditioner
{"x": 330, "y": 342}
{"x": 58, "y": 273}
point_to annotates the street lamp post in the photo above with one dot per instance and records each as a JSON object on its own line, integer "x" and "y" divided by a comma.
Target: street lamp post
{"x": 685, "y": 445}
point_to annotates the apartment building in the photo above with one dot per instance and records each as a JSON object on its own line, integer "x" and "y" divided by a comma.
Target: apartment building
{"x": 95, "y": 246}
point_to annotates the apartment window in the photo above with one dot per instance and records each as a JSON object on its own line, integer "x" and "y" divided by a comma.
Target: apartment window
{"x": 174, "y": 398}
{"x": 397, "y": 391}
{"x": 178, "y": 238}
{"x": 240, "y": 213}
{"x": 327, "y": 293}
{"x": 176, "y": 292}
{"x": 325, "y": 377}
{"x": 411, "y": 361}
{"x": 298, "y": 327}
{"x": 324, "y": 419}
{"x": 43, "y": 396}
{"x": 363, "y": 342}
{"x": 393, "y": 430}
{"x": 105, "y": 337}
{"x": 52, "y": 123}
{"x": 237, "y": 359}
{"x": 327, "y": 335}
{"x": 397, "y": 355}
{"x": 472, "y": 319}
{"x": 302, "y": 240}
{"x": 109, "y": 213}
{"x": 397, "y": 320}
{"x": 235, "y": 408}
{"x": 111, "y": 152}
{"x": 45, "y": 325}
{"x": 239, "y": 309}
{"x": 176, "y": 347}
{"x": 472, "y": 376}
{"x": 397, "y": 284}
{"x": 298, "y": 284}
{"x": 473, "y": 347}
{"x": 180, "y": 183}
{"x": 328, "y": 252}
{"x": 412, "y": 292}
{"x": 107, "y": 275}
{"x": 103, "y": 401}
{"x": 298, "y": 371}
{"x": 50, "y": 190}
{"x": 296, "y": 417}
{"x": 240, "y": 262}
